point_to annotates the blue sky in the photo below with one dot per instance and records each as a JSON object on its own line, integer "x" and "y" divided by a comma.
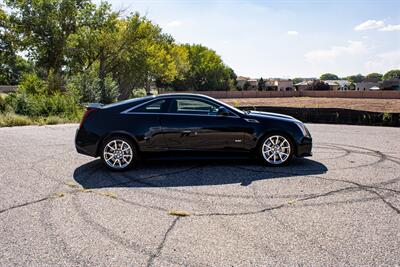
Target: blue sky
{"x": 285, "y": 38}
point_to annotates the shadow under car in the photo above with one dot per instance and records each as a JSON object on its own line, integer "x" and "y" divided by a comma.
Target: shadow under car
{"x": 178, "y": 173}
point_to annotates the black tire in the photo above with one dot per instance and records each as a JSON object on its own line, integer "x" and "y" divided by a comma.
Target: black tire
{"x": 122, "y": 146}
{"x": 279, "y": 152}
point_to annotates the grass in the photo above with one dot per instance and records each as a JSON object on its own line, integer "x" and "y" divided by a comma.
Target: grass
{"x": 180, "y": 213}
{"x": 10, "y": 119}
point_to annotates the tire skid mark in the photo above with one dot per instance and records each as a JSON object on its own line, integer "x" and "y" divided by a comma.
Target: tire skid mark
{"x": 59, "y": 245}
{"x": 311, "y": 241}
{"x": 50, "y": 196}
{"x": 45, "y": 220}
{"x": 154, "y": 176}
{"x": 109, "y": 234}
{"x": 126, "y": 243}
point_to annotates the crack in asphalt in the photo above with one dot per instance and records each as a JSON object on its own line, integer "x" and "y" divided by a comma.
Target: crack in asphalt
{"x": 163, "y": 241}
{"x": 273, "y": 207}
{"x": 299, "y": 234}
{"x": 24, "y": 204}
{"x": 388, "y": 203}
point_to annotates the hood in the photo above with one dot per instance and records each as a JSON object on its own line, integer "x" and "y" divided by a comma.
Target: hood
{"x": 269, "y": 115}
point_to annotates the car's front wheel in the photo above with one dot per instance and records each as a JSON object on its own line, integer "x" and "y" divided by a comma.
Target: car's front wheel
{"x": 119, "y": 153}
{"x": 276, "y": 150}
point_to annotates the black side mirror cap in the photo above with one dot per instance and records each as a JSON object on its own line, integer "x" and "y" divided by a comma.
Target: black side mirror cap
{"x": 222, "y": 111}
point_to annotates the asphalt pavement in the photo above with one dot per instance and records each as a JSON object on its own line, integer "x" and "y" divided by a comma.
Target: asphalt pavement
{"x": 340, "y": 207}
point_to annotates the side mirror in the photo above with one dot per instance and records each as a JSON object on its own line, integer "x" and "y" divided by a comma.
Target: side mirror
{"x": 222, "y": 111}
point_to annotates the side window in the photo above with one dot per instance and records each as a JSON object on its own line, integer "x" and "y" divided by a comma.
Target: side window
{"x": 194, "y": 106}
{"x": 153, "y": 107}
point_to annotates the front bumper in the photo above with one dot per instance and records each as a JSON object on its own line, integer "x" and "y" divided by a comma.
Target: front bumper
{"x": 304, "y": 148}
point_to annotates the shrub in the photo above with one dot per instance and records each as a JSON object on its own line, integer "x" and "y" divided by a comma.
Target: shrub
{"x": 111, "y": 91}
{"x": 387, "y": 118}
{"x": 86, "y": 86}
{"x": 42, "y": 105}
{"x": 32, "y": 84}
{"x": 139, "y": 92}
{"x": 11, "y": 119}
{"x": 3, "y": 104}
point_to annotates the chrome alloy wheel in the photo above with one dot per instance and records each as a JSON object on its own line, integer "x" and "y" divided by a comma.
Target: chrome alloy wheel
{"x": 276, "y": 149}
{"x": 117, "y": 154}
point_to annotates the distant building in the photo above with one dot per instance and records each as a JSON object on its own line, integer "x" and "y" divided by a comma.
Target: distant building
{"x": 365, "y": 86}
{"x": 303, "y": 86}
{"x": 284, "y": 85}
{"x": 241, "y": 81}
{"x": 253, "y": 84}
{"x": 338, "y": 85}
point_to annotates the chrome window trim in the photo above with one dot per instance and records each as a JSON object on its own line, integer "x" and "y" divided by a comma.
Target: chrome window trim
{"x": 180, "y": 114}
{"x": 129, "y": 111}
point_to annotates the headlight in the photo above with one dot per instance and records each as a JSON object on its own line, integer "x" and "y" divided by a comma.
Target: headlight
{"x": 303, "y": 129}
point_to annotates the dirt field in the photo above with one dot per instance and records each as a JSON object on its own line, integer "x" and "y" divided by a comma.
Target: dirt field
{"x": 376, "y": 105}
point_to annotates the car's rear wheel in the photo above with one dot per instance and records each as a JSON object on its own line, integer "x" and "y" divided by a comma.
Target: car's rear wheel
{"x": 119, "y": 153}
{"x": 276, "y": 150}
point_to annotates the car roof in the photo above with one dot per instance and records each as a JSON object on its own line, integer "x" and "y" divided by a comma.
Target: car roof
{"x": 148, "y": 98}
{"x": 182, "y": 95}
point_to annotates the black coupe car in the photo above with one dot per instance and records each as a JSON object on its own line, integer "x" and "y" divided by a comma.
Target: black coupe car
{"x": 122, "y": 132}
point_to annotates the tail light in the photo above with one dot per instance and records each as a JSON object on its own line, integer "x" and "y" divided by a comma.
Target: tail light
{"x": 88, "y": 111}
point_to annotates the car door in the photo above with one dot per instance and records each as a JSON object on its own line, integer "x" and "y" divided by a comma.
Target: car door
{"x": 144, "y": 122}
{"x": 193, "y": 124}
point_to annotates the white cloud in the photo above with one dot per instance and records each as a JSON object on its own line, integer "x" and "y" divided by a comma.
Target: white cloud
{"x": 329, "y": 55}
{"x": 174, "y": 23}
{"x": 377, "y": 24}
{"x": 293, "y": 33}
{"x": 369, "y": 25}
{"x": 390, "y": 28}
{"x": 384, "y": 62}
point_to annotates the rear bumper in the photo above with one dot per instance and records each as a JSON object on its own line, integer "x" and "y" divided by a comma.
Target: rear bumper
{"x": 86, "y": 143}
{"x": 304, "y": 148}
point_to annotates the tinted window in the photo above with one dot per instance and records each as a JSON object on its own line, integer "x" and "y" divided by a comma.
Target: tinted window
{"x": 153, "y": 107}
{"x": 193, "y": 106}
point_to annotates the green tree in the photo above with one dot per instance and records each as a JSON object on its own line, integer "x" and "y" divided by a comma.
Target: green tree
{"x": 329, "y": 76}
{"x": 133, "y": 50}
{"x": 355, "y": 78}
{"x": 207, "y": 71}
{"x": 12, "y": 66}
{"x": 146, "y": 55}
{"x": 374, "y": 76}
{"x": 92, "y": 46}
{"x": 319, "y": 85}
{"x": 392, "y": 74}
{"x": 43, "y": 28}
{"x": 297, "y": 80}
{"x": 261, "y": 84}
